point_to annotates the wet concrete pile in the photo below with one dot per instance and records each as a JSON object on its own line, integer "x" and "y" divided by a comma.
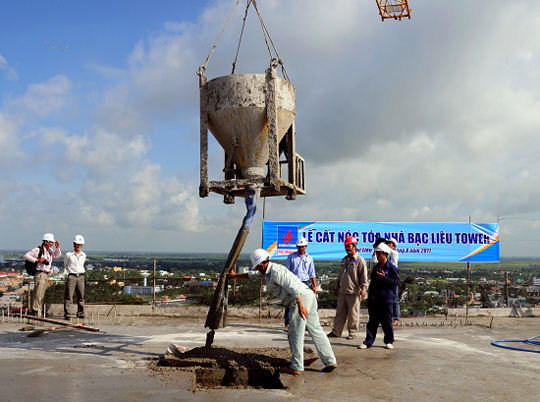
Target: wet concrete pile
{"x": 218, "y": 367}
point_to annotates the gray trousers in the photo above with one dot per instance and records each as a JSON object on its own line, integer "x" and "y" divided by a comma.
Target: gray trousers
{"x": 297, "y": 329}
{"x": 41, "y": 281}
{"x": 74, "y": 284}
{"x": 348, "y": 310}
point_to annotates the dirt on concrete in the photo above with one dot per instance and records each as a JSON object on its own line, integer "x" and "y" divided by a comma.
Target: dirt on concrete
{"x": 218, "y": 367}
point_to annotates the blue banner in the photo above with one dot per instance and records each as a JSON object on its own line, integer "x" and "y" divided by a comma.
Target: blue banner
{"x": 445, "y": 242}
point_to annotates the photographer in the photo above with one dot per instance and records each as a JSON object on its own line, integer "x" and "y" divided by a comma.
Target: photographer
{"x": 381, "y": 296}
{"x": 43, "y": 255}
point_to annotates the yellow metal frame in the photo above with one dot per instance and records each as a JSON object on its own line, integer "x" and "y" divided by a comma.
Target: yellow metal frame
{"x": 396, "y": 9}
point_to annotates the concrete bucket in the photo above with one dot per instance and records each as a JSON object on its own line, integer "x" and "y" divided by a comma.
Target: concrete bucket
{"x": 237, "y": 116}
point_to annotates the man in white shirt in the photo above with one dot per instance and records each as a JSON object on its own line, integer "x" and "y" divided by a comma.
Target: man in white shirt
{"x": 43, "y": 256}
{"x": 74, "y": 268}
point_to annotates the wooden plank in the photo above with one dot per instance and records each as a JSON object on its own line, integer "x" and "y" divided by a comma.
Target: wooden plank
{"x": 59, "y": 322}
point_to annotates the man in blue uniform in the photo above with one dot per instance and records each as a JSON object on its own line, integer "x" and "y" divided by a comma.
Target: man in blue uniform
{"x": 381, "y": 296}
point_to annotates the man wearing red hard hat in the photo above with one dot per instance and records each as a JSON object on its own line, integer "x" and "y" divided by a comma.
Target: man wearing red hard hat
{"x": 351, "y": 288}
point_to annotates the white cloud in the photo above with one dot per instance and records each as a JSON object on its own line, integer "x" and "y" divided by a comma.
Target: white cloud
{"x": 430, "y": 119}
{"x": 9, "y": 142}
{"x": 9, "y": 71}
{"x": 45, "y": 98}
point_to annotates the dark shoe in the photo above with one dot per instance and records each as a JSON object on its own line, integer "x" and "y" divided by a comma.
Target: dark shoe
{"x": 81, "y": 316}
{"x": 289, "y": 370}
{"x": 329, "y": 369}
{"x": 332, "y": 335}
{"x": 308, "y": 362}
{"x": 67, "y": 317}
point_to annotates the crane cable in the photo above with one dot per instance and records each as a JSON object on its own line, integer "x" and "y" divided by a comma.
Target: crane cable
{"x": 274, "y": 61}
{"x": 277, "y": 60}
{"x": 202, "y": 68}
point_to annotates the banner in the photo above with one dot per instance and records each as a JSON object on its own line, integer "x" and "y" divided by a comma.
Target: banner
{"x": 445, "y": 242}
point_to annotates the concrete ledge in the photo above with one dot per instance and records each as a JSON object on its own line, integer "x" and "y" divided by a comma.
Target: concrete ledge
{"x": 272, "y": 312}
{"x": 496, "y": 312}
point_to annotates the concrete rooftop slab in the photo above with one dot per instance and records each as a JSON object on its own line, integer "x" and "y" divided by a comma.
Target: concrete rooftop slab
{"x": 434, "y": 359}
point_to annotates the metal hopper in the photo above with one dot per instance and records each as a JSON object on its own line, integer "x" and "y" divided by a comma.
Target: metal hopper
{"x": 252, "y": 118}
{"x": 236, "y": 108}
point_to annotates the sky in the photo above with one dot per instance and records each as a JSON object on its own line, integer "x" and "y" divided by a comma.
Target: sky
{"x": 432, "y": 119}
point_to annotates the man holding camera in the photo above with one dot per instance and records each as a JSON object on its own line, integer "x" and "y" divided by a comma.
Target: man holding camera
{"x": 43, "y": 255}
{"x": 381, "y": 296}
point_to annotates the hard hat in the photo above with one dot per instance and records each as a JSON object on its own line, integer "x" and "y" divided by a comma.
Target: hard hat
{"x": 48, "y": 237}
{"x": 383, "y": 248}
{"x": 78, "y": 239}
{"x": 301, "y": 242}
{"x": 350, "y": 240}
{"x": 394, "y": 241}
{"x": 258, "y": 256}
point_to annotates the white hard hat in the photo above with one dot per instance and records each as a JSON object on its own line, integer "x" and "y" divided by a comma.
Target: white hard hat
{"x": 384, "y": 248}
{"x": 78, "y": 239}
{"x": 301, "y": 242}
{"x": 392, "y": 240}
{"x": 258, "y": 256}
{"x": 48, "y": 237}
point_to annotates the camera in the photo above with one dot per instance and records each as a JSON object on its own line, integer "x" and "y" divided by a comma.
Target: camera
{"x": 46, "y": 262}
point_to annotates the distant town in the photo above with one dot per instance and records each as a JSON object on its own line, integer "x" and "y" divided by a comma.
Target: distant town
{"x": 182, "y": 279}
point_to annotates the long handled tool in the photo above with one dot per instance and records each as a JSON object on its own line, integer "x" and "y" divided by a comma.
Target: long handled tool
{"x": 39, "y": 331}
{"x": 218, "y": 308}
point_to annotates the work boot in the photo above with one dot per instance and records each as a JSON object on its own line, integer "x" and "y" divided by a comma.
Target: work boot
{"x": 289, "y": 370}
{"x": 329, "y": 369}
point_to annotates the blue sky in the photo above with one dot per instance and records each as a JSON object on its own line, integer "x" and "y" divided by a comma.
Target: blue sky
{"x": 430, "y": 119}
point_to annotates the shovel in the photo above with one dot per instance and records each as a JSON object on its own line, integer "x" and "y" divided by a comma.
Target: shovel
{"x": 39, "y": 331}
